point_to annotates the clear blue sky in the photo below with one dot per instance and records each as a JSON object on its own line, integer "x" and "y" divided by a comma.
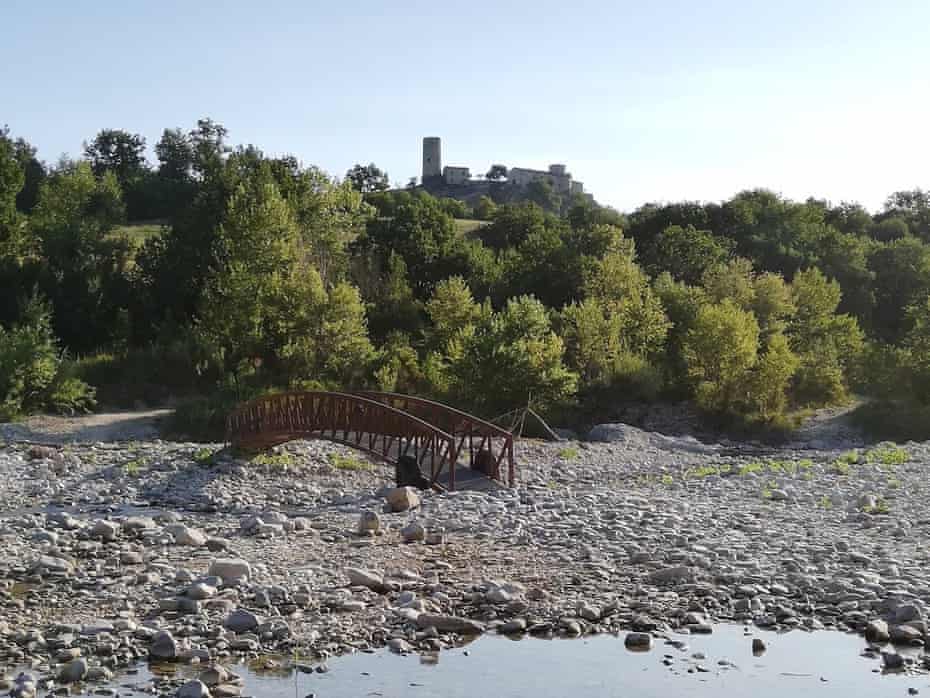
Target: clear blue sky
{"x": 643, "y": 101}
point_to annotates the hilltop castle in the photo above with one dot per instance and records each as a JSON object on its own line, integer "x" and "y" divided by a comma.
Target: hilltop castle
{"x": 449, "y": 177}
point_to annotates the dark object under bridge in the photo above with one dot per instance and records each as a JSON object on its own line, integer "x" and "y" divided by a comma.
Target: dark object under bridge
{"x": 446, "y": 443}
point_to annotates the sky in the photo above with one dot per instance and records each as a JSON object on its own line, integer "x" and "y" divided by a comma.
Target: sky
{"x": 644, "y": 102}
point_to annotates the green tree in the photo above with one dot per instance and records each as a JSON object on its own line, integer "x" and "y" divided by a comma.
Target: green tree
{"x": 497, "y": 173}
{"x": 14, "y": 242}
{"x": 510, "y": 359}
{"x": 367, "y": 178}
{"x": 485, "y": 208}
{"x": 451, "y": 308}
{"x": 719, "y": 350}
{"x": 119, "y": 152}
{"x": 826, "y": 343}
{"x": 902, "y": 278}
{"x": 83, "y": 269}
{"x": 770, "y": 379}
{"x": 687, "y": 252}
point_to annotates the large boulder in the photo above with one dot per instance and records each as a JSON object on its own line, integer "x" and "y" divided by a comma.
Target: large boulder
{"x": 231, "y": 570}
{"x": 185, "y": 535}
{"x": 193, "y": 689}
{"x": 105, "y": 530}
{"x": 403, "y": 499}
{"x": 242, "y": 621}
{"x": 73, "y": 671}
{"x": 164, "y": 646}
{"x": 413, "y": 532}
{"x": 365, "y": 578}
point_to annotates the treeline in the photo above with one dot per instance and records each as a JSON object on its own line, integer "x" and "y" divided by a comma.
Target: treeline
{"x": 267, "y": 275}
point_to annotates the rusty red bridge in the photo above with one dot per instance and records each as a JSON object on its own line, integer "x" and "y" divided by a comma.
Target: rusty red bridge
{"x": 448, "y": 444}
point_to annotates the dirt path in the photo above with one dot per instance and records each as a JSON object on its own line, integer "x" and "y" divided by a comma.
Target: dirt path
{"x": 109, "y": 426}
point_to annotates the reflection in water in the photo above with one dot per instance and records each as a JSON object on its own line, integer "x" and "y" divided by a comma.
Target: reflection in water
{"x": 720, "y": 665}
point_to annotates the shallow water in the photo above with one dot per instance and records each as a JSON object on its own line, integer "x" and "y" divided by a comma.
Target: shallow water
{"x": 823, "y": 664}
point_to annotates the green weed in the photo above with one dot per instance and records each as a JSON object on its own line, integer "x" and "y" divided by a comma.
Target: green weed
{"x": 202, "y": 456}
{"x": 132, "y": 468}
{"x": 341, "y": 462}
{"x": 569, "y": 453}
{"x": 887, "y": 454}
{"x": 277, "y": 461}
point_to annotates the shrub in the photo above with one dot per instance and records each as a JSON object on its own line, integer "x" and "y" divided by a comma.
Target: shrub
{"x": 31, "y": 375}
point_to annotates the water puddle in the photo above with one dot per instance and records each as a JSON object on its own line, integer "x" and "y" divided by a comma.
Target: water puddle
{"x": 719, "y": 665}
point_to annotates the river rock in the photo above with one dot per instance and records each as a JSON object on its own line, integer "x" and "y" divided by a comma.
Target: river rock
{"x": 365, "y": 578}
{"x": 241, "y": 621}
{"x": 877, "y": 631}
{"x": 232, "y": 571}
{"x": 638, "y": 641}
{"x": 163, "y": 646}
{"x": 185, "y": 535}
{"x": 193, "y": 689}
{"x": 368, "y": 523}
{"x": 73, "y": 671}
{"x": 105, "y": 530}
{"x": 413, "y": 532}
{"x": 403, "y": 499}
{"x": 449, "y": 624}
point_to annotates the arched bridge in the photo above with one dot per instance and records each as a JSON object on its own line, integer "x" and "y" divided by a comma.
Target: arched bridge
{"x": 445, "y": 442}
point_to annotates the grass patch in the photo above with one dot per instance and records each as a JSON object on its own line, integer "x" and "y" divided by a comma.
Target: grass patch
{"x": 467, "y": 226}
{"x": 132, "y": 468}
{"x": 570, "y": 453}
{"x": 343, "y": 462}
{"x": 887, "y": 454}
{"x": 202, "y": 456}
{"x": 138, "y": 233}
{"x": 279, "y": 461}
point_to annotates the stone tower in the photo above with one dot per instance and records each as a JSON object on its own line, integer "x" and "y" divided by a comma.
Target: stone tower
{"x": 432, "y": 158}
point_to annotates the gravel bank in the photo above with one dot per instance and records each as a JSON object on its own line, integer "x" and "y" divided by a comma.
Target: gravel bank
{"x": 117, "y": 551}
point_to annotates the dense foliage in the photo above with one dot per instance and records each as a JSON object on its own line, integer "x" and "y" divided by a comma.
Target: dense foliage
{"x": 264, "y": 274}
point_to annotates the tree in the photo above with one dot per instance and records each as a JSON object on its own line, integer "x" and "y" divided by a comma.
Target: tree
{"x": 541, "y": 193}
{"x": 119, "y": 152}
{"x": 485, "y": 208}
{"x": 367, "y": 178}
{"x": 175, "y": 155}
{"x": 687, "y": 252}
{"x": 826, "y": 343}
{"x": 497, "y": 173}
{"x": 913, "y": 207}
{"x": 13, "y": 240}
{"x": 264, "y": 306}
{"x": 720, "y": 349}
{"x": 509, "y": 359}
{"x": 622, "y": 288}
{"x": 451, "y": 309}
{"x": 84, "y": 269}
{"x": 902, "y": 278}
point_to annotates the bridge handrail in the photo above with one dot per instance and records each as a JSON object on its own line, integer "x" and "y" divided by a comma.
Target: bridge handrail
{"x": 494, "y": 429}
{"x": 272, "y": 397}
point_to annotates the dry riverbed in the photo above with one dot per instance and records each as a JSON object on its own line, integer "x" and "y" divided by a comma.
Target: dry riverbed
{"x": 117, "y": 551}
